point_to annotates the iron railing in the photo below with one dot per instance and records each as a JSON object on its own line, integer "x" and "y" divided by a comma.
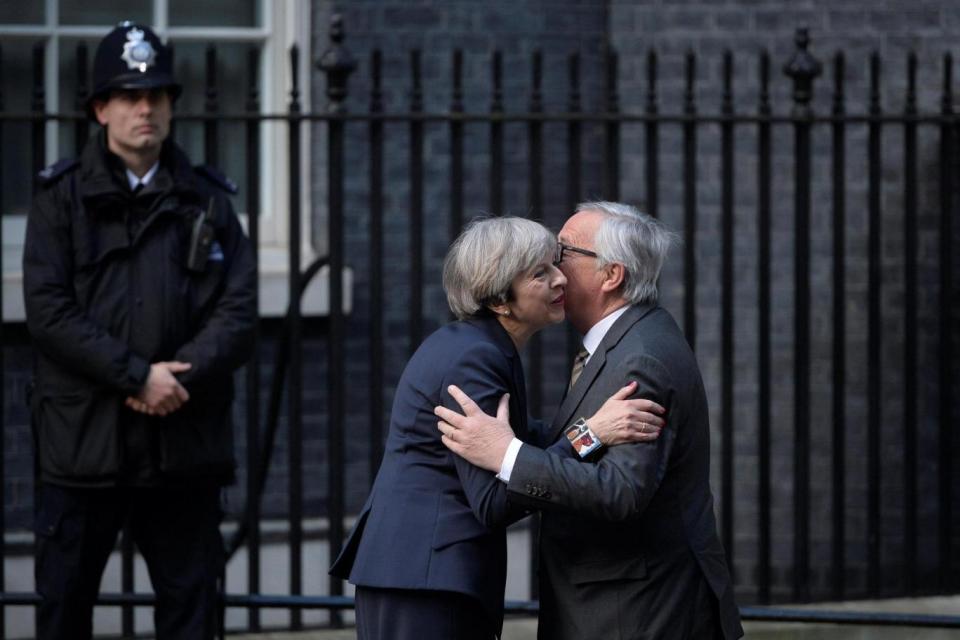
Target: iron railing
{"x": 923, "y": 338}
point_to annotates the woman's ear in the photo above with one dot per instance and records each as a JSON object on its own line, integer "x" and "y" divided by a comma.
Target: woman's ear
{"x": 501, "y": 308}
{"x": 613, "y": 276}
{"x": 99, "y": 111}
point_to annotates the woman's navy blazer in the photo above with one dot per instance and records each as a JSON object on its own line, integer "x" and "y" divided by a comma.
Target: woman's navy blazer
{"x": 432, "y": 520}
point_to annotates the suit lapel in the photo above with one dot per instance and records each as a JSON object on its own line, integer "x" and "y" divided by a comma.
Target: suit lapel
{"x": 575, "y": 395}
{"x": 573, "y": 399}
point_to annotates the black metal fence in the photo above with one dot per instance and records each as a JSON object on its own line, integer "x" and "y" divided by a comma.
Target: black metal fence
{"x": 927, "y": 338}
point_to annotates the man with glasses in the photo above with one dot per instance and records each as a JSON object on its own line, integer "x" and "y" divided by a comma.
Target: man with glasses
{"x": 140, "y": 298}
{"x": 629, "y": 545}
{"x": 565, "y": 248}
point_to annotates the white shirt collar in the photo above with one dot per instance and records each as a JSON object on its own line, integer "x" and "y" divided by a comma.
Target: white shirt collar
{"x": 145, "y": 180}
{"x": 595, "y": 336}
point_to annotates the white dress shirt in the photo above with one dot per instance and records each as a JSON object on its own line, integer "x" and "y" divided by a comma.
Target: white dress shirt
{"x": 590, "y": 342}
{"x": 145, "y": 180}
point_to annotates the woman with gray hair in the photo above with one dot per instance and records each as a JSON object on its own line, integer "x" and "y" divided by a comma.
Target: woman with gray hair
{"x": 428, "y": 551}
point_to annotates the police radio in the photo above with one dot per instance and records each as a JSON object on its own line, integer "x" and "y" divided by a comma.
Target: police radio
{"x": 201, "y": 238}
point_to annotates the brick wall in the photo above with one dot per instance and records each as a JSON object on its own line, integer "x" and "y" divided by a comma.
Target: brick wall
{"x": 858, "y": 27}
{"x": 707, "y": 29}
{"x": 436, "y": 29}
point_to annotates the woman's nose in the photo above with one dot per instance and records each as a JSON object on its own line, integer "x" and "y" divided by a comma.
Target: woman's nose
{"x": 559, "y": 280}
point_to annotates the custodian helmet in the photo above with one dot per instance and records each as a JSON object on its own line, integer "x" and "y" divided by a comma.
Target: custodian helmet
{"x": 132, "y": 57}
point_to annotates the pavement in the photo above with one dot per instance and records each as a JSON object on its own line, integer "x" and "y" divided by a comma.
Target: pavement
{"x": 526, "y": 628}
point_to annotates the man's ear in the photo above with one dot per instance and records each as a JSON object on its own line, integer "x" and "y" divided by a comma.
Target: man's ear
{"x": 99, "y": 111}
{"x": 613, "y": 276}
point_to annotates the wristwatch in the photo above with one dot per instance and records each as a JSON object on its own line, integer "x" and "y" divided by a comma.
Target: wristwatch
{"x": 582, "y": 439}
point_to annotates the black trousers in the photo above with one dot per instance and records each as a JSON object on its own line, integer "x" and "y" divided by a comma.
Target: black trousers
{"x": 177, "y": 532}
{"x": 407, "y": 614}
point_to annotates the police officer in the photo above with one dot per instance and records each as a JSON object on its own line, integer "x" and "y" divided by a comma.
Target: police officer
{"x": 139, "y": 288}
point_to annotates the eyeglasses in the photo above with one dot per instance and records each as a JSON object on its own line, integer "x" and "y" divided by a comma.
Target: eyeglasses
{"x": 558, "y": 256}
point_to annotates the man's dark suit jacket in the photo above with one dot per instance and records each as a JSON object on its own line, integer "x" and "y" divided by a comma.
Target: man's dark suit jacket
{"x": 432, "y": 520}
{"x": 625, "y": 535}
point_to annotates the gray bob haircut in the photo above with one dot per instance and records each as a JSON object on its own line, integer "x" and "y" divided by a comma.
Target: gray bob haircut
{"x": 637, "y": 241}
{"x": 483, "y": 261}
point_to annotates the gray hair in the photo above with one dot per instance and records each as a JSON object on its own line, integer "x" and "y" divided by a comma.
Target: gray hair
{"x": 637, "y": 241}
{"x": 483, "y": 261}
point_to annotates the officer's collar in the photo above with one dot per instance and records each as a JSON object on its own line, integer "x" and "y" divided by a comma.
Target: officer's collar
{"x": 103, "y": 174}
{"x": 139, "y": 182}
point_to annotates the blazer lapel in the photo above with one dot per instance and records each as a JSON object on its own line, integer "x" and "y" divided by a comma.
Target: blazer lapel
{"x": 573, "y": 399}
{"x": 518, "y": 392}
{"x": 518, "y": 410}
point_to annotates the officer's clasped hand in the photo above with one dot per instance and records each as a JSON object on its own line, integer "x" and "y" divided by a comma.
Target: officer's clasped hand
{"x": 162, "y": 393}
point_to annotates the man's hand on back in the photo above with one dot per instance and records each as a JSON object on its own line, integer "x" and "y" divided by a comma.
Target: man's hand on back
{"x": 480, "y": 439}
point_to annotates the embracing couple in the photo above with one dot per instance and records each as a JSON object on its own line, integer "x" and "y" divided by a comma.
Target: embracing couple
{"x": 629, "y": 546}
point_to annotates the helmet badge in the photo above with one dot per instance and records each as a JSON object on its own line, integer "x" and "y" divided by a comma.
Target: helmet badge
{"x": 137, "y": 52}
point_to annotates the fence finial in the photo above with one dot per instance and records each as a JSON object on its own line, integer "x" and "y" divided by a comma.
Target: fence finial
{"x": 416, "y": 91}
{"x": 573, "y": 73}
{"x": 946, "y": 100}
{"x": 210, "y": 104}
{"x": 376, "y": 77}
{"x": 536, "y": 93}
{"x": 496, "y": 105}
{"x": 456, "y": 104}
{"x": 803, "y": 68}
{"x": 338, "y": 64}
{"x": 82, "y": 92}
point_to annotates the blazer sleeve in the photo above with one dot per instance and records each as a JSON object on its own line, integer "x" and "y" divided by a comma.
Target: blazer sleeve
{"x": 620, "y": 484}
{"x": 483, "y": 373}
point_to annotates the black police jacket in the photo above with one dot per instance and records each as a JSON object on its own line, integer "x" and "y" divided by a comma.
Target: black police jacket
{"x": 108, "y": 292}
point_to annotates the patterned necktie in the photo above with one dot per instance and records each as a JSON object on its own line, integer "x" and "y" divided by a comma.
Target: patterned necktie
{"x": 578, "y": 364}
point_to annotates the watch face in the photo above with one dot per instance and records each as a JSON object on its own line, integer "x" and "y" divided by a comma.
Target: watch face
{"x": 576, "y": 431}
{"x": 582, "y": 439}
